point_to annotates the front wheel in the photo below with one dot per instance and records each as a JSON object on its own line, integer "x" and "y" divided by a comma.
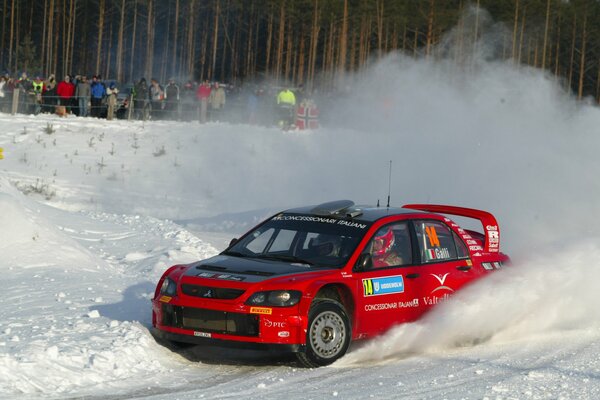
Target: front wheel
{"x": 328, "y": 335}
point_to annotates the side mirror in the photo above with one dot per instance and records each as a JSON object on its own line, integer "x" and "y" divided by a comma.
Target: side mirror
{"x": 363, "y": 263}
{"x": 233, "y": 241}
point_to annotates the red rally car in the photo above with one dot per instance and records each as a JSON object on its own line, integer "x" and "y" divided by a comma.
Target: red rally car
{"x": 310, "y": 280}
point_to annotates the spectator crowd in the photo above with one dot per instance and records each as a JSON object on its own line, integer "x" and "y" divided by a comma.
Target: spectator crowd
{"x": 203, "y": 102}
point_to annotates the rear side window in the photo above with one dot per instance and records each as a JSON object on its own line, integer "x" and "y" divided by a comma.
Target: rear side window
{"x": 461, "y": 247}
{"x": 436, "y": 241}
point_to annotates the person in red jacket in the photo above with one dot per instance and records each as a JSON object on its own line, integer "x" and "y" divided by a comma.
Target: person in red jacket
{"x": 203, "y": 94}
{"x": 66, "y": 92}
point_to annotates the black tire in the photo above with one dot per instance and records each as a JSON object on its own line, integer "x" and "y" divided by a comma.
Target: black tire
{"x": 328, "y": 334}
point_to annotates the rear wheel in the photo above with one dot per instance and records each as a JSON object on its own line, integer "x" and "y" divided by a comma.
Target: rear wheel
{"x": 328, "y": 335}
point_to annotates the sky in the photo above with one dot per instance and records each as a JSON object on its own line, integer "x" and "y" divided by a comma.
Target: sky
{"x": 95, "y": 211}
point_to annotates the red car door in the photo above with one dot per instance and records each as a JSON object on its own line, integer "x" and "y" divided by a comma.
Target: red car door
{"x": 387, "y": 292}
{"x": 445, "y": 262}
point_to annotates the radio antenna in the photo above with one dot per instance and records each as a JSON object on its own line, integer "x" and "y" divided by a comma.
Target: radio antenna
{"x": 389, "y": 185}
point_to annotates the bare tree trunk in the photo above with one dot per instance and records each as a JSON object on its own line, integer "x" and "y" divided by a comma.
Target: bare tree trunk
{"x": 249, "y": 49}
{"x": 343, "y": 42}
{"x": 48, "y": 39}
{"x": 100, "y": 32}
{"x": 72, "y": 43}
{"x": 175, "y": 37}
{"x": 225, "y": 43}
{"x": 109, "y": 52}
{"x": 190, "y": 40}
{"x": 429, "y": 38}
{"x": 280, "y": 42}
{"x": 582, "y": 58}
{"x": 215, "y": 39}
{"x": 546, "y": 34}
{"x": 515, "y": 30}
{"x": 133, "y": 38}
{"x": 572, "y": 60}
{"x": 43, "y": 57}
{"x": 522, "y": 38}
{"x": 314, "y": 41}
{"x": 557, "y": 50}
{"x": 300, "y": 69}
{"x": 120, "y": 43}
{"x": 269, "y": 43}
{"x": 289, "y": 53}
{"x": 2, "y": 43}
{"x": 150, "y": 40}
{"x": 12, "y": 33}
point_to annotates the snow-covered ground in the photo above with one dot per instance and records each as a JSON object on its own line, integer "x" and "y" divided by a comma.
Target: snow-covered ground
{"x": 93, "y": 211}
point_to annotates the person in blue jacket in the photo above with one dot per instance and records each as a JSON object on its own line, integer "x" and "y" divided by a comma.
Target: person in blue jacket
{"x": 98, "y": 92}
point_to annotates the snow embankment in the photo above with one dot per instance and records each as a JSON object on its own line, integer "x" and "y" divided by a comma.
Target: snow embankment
{"x": 75, "y": 310}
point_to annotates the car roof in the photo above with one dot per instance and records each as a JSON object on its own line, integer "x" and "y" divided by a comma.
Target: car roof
{"x": 347, "y": 209}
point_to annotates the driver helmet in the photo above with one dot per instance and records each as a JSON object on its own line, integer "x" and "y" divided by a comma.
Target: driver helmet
{"x": 383, "y": 242}
{"x": 326, "y": 245}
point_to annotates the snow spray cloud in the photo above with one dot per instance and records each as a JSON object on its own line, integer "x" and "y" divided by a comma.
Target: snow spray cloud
{"x": 548, "y": 294}
{"x": 510, "y": 140}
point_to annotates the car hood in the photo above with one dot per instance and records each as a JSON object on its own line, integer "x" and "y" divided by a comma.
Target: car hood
{"x": 249, "y": 270}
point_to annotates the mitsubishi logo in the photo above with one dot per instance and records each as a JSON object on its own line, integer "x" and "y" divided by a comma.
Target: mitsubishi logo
{"x": 208, "y": 293}
{"x": 441, "y": 279}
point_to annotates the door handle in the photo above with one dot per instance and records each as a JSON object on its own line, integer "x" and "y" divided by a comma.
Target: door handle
{"x": 464, "y": 268}
{"x": 412, "y": 276}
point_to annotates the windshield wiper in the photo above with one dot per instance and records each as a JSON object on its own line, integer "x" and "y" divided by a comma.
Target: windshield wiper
{"x": 293, "y": 259}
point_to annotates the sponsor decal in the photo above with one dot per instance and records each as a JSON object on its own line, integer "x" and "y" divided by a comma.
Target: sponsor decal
{"x": 274, "y": 324}
{"x": 435, "y": 254}
{"x": 433, "y": 300}
{"x": 432, "y": 236}
{"x": 471, "y": 241}
{"x": 466, "y": 236}
{"x": 475, "y": 248}
{"x": 261, "y": 310}
{"x": 165, "y": 299}
{"x": 442, "y": 280}
{"x": 312, "y": 218}
{"x": 202, "y": 334}
{"x": 384, "y": 285}
{"x": 493, "y": 234}
{"x": 283, "y": 334}
{"x": 392, "y": 306}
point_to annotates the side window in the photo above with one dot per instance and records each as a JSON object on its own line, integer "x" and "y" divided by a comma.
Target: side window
{"x": 461, "y": 247}
{"x": 436, "y": 241}
{"x": 391, "y": 246}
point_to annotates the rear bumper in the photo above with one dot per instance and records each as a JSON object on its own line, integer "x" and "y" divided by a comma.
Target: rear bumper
{"x": 182, "y": 338}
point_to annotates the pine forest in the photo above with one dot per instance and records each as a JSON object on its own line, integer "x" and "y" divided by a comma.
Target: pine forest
{"x": 309, "y": 42}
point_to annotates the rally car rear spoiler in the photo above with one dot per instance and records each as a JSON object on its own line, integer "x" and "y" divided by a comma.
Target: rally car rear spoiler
{"x": 490, "y": 225}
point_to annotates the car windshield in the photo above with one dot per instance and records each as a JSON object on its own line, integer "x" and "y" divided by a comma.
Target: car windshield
{"x": 303, "y": 239}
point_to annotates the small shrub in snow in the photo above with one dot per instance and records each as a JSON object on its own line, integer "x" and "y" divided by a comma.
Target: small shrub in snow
{"x": 160, "y": 152}
{"x": 49, "y": 129}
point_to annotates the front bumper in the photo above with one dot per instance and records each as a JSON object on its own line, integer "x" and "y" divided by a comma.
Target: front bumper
{"x": 228, "y": 325}
{"x": 185, "y": 338}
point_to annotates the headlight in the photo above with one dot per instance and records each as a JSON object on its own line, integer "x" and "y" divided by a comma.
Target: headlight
{"x": 275, "y": 298}
{"x": 169, "y": 287}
